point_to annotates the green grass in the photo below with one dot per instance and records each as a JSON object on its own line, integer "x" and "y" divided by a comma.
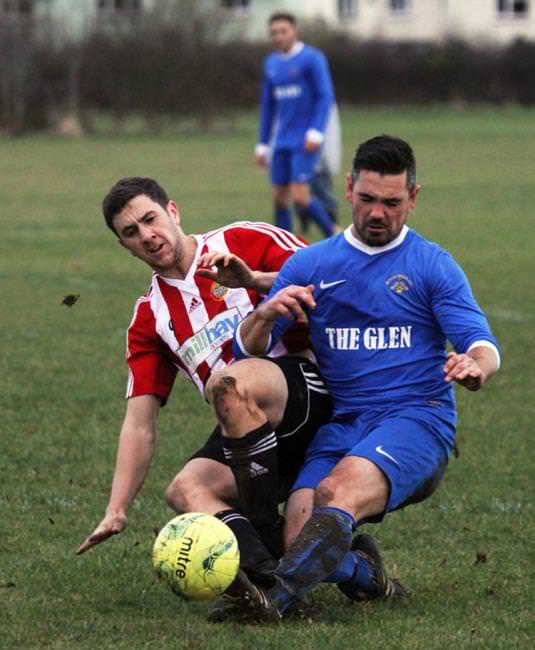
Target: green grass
{"x": 63, "y": 375}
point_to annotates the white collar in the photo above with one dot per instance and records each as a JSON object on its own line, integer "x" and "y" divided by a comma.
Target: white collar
{"x": 295, "y": 49}
{"x": 374, "y": 250}
{"x": 189, "y": 281}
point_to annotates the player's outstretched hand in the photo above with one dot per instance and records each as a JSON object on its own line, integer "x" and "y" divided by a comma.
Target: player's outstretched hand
{"x": 288, "y": 302}
{"x": 112, "y": 524}
{"x": 464, "y": 370}
{"x": 261, "y": 159}
{"x": 311, "y": 145}
{"x": 231, "y": 271}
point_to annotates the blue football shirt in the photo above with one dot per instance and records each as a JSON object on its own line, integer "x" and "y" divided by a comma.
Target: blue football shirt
{"x": 297, "y": 95}
{"x": 383, "y": 318}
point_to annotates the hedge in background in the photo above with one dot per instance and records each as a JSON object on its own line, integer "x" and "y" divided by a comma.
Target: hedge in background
{"x": 159, "y": 71}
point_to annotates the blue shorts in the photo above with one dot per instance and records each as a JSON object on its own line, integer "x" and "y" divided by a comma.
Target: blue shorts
{"x": 410, "y": 445}
{"x": 293, "y": 166}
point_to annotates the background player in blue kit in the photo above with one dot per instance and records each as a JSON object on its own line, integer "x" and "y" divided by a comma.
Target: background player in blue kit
{"x": 382, "y": 302}
{"x": 297, "y": 98}
{"x": 322, "y": 184}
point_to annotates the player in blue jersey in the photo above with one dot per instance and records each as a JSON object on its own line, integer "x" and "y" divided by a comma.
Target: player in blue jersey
{"x": 382, "y": 302}
{"x": 296, "y": 101}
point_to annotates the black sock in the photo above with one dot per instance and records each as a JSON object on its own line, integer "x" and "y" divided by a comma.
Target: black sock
{"x": 255, "y": 559}
{"x": 272, "y": 536}
{"x": 253, "y": 460}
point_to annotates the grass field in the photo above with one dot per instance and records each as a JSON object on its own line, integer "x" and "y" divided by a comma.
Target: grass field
{"x": 468, "y": 553}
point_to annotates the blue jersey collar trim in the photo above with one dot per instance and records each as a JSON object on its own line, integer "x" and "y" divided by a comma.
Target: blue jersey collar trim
{"x": 374, "y": 250}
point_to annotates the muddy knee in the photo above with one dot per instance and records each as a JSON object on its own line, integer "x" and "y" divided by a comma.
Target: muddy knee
{"x": 326, "y": 491}
{"x": 233, "y": 406}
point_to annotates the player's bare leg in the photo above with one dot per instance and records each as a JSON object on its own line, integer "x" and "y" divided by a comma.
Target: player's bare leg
{"x": 202, "y": 485}
{"x": 298, "y": 510}
{"x": 246, "y": 394}
{"x": 300, "y": 193}
{"x": 249, "y": 399}
{"x": 355, "y": 485}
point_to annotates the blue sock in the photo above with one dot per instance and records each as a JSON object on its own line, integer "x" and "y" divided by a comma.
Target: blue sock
{"x": 353, "y": 568}
{"x": 345, "y": 570}
{"x": 319, "y": 214}
{"x": 283, "y": 218}
{"x": 317, "y": 551}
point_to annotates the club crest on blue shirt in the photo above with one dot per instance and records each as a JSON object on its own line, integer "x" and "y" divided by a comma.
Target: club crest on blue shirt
{"x": 399, "y": 283}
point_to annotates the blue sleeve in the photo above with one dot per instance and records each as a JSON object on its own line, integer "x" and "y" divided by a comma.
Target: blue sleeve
{"x": 322, "y": 89}
{"x": 289, "y": 273}
{"x": 267, "y": 109}
{"x": 455, "y": 308}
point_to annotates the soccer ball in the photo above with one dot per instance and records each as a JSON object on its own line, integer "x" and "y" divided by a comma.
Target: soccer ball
{"x": 196, "y": 556}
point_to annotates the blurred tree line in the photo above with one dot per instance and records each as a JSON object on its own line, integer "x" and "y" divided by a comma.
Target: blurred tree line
{"x": 173, "y": 65}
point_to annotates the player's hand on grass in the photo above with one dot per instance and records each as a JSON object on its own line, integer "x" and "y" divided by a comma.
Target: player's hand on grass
{"x": 465, "y": 370}
{"x": 288, "y": 302}
{"x": 231, "y": 271}
{"x": 112, "y": 524}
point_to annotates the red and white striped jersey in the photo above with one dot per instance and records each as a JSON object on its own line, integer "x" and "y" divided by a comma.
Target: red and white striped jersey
{"x": 187, "y": 325}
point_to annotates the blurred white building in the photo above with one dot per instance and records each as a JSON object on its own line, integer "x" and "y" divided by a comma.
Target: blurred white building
{"x": 499, "y": 21}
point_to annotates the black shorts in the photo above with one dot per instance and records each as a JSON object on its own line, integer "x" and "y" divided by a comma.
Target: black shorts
{"x": 308, "y": 407}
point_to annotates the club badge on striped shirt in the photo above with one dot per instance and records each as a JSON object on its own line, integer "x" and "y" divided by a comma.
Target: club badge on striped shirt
{"x": 218, "y": 291}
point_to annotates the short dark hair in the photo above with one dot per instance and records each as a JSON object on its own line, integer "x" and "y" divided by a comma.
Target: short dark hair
{"x": 125, "y": 190}
{"x": 386, "y": 154}
{"x": 282, "y": 15}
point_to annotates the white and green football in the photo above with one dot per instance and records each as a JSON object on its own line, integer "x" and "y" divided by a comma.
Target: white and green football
{"x": 196, "y": 555}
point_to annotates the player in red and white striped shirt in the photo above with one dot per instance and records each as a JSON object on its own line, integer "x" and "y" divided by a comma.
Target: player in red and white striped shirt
{"x": 185, "y": 324}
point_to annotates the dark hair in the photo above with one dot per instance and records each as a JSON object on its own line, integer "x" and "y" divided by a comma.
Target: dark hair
{"x": 282, "y": 15}
{"x": 125, "y": 190}
{"x": 386, "y": 154}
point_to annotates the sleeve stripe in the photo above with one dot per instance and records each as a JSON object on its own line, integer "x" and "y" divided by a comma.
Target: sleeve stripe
{"x": 129, "y": 384}
{"x": 293, "y": 239}
{"x": 286, "y": 240}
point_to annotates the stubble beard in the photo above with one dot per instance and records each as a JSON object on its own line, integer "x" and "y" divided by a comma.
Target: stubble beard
{"x": 373, "y": 239}
{"x": 174, "y": 266}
